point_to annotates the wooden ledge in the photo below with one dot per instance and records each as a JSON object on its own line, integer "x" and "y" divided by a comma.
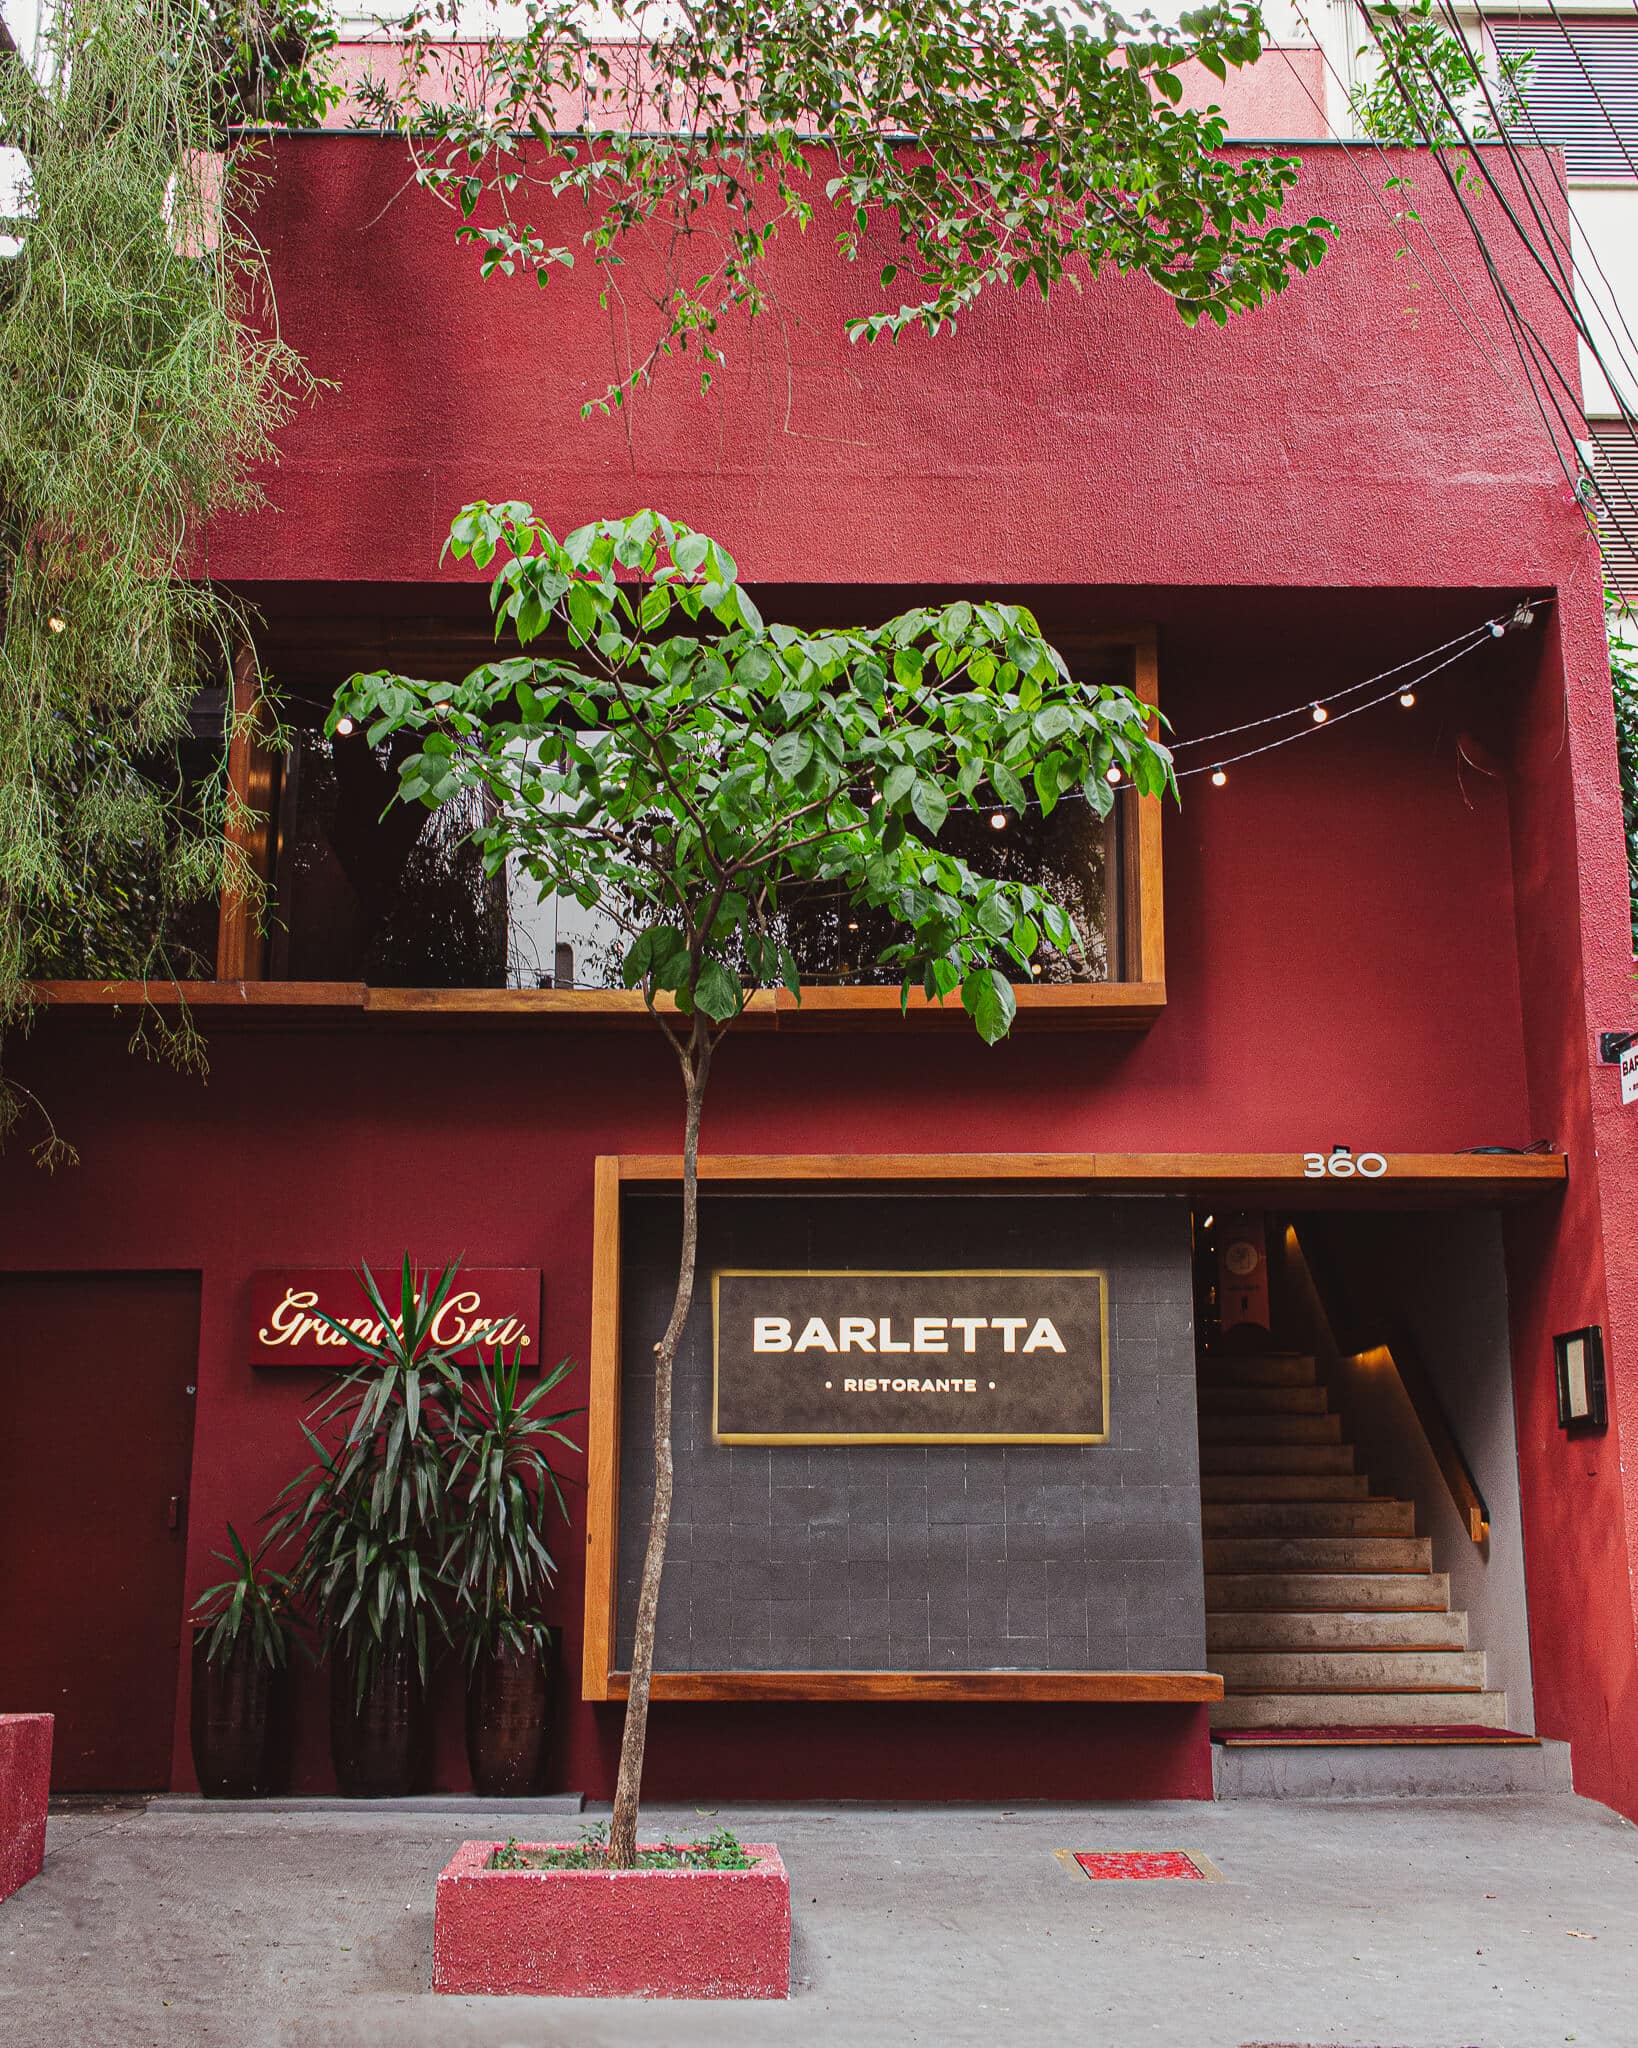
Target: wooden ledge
{"x": 1160, "y": 1688}
{"x": 1093, "y": 1005}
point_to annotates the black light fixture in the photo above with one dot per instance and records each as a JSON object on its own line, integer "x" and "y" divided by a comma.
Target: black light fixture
{"x": 1578, "y": 1358}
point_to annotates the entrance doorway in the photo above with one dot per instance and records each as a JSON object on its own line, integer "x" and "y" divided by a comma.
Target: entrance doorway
{"x": 97, "y": 1375}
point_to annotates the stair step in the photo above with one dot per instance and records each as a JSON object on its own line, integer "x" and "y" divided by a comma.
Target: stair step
{"x": 1361, "y": 1710}
{"x": 1262, "y": 1592}
{"x": 1318, "y": 1553}
{"x": 1272, "y": 1486}
{"x": 1220, "y": 1400}
{"x": 1253, "y": 1629}
{"x": 1308, "y": 1518}
{"x": 1242, "y": 1458}
{"x": 1350, "y": 1671}
{"x": 1223, "y": 1369}
{"x": 1270, "y": 1429}
{"x": 1385, "y": 1768}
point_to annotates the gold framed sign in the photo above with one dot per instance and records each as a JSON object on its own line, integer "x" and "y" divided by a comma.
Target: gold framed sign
{"x": 1010, "y": 1355}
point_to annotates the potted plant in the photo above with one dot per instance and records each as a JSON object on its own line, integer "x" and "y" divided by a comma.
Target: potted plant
{"x": 705, "y": 1919}
{"x": 241, "y": 1655}
{"x": 498, "y": 1567}
{"x": 370, "y": 1517}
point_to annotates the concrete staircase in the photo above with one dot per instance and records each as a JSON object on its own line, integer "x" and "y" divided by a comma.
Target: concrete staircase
{"x": 1322, "y": 1605}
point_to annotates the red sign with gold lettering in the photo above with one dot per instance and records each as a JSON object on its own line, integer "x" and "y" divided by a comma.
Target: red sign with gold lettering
{"x": 495, "y": 1308}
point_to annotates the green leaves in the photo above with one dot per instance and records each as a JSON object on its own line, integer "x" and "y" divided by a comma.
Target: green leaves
{"x": 987, "y": 997}
{"x": 692, "y": 784}
{"x": 1043, "y": 141}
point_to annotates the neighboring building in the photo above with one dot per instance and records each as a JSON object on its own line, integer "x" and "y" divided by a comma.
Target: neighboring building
{"x": 1331, "y": 1066}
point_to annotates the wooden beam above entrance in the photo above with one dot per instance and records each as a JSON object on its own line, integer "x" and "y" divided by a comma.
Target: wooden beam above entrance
{"x": 1308, "y": 1179}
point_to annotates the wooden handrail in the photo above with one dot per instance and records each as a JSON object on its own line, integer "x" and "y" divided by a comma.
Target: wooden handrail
{"x": 1388, "y": 1344}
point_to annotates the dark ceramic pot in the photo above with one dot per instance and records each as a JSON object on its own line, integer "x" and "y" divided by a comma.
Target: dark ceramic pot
{"x": 378, "y": 1742}
{"x": 508, "y": 1719}
{"x": 236, "y": 1721}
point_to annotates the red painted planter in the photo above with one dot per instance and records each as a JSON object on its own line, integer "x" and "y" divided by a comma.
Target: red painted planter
{"x": 613, "y": 1933}
{"x": 25, "y": 1780}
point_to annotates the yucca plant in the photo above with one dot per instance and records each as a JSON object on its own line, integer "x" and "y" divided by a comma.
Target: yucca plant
{"x": 252, "y": 1607}
{"x": 502, "y": 1486}
{"x": 370, "y": 1513}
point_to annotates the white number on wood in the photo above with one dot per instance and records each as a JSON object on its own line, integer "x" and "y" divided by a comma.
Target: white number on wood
{"x": 1343, "y": 1165}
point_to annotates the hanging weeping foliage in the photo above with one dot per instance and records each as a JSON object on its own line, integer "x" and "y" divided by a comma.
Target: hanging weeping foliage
{"x": 141, "y": 380}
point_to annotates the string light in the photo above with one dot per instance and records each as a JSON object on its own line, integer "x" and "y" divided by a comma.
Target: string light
{"x": 1523, "y": 614}
{"x": 1112, "y": 772}
{"x": 1219, "y": 776}
{"x": 1320, "y": 714}
{"x": 998, "y": 821}
{"x": 1408, "y": 699}
{"x": 344, "y": 726}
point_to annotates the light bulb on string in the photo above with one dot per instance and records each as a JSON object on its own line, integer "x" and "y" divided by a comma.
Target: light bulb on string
{"x": 1320, "y": 714}
{"x": 1497, "y": 628}
{"x": 1112, "y": 773}
{"x": 998, "y": 821}
{"x": 1407, "y": 698}
{"x": 1219, "y": 776}
{"x": 344, "y": 727}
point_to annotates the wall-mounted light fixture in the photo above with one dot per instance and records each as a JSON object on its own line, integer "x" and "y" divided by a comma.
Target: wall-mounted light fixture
{"x": 1578, "y": 1357}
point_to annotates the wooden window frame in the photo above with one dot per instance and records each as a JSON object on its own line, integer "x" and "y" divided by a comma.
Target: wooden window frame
{"x": 1131, "y": 1003}
{"x": 1258, "y": 1179}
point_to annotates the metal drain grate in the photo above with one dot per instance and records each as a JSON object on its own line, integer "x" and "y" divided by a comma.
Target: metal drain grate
{"x": 1137, "y": 1864}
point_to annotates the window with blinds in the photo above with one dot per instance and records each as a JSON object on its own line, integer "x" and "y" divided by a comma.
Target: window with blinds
{"x": 1615, "y": 468}
{"x": 1583, "y": 94}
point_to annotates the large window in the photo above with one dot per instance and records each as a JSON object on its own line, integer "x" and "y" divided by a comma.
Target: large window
{"x": 365, "y": 899}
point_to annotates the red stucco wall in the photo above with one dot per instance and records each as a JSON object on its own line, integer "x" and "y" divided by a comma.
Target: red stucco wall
{"x": 1366, "y": 943}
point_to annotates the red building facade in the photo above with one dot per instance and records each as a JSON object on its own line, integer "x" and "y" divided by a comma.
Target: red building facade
{"x": 1402, "y": 935}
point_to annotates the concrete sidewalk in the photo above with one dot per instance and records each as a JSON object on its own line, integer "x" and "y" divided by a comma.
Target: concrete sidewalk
{"x": 1506, "y": 1924}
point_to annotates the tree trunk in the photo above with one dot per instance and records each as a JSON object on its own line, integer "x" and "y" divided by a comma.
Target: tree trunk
{"x": 623, "y": 1829}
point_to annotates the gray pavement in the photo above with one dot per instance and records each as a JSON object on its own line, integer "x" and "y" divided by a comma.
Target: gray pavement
{"x": 1461, "y": 1924}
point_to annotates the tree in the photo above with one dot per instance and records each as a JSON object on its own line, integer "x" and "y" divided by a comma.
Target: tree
{"x": 686, "y": 769}
{"x": 962, "y": 145}
{"x": 139, "y": 387}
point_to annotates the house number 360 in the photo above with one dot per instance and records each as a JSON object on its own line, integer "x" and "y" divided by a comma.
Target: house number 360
{"x": 1343, "y": 1165}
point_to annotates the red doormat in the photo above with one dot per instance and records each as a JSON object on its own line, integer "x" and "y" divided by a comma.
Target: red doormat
{"x": 1411, "y": 1736}
{"x": 1100, "y": 1864}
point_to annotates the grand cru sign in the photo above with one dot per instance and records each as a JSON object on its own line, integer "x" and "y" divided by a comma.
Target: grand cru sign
{"x": 498, "y": 1308}
{"x": 859, "y": 1357}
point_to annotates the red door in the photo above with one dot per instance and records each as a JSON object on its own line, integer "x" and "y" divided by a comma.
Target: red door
{"x": 97, "y": 1374}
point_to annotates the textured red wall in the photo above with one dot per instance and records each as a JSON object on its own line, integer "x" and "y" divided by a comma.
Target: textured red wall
{"x": 1349, "y": 433}
{"x": 1310, "y": 908}
{"x": 1329, "y": 485}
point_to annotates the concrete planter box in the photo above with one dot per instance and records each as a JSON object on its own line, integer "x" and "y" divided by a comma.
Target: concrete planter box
{"x": 25, "y": 1780}
{"x": 612, "y": 1933}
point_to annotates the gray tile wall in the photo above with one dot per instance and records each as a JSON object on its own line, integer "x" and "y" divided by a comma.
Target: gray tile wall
{"x": 936, "y": 1557}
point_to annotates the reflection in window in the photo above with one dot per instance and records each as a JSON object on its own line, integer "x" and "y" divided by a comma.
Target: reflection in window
{"x": 396, "y": 896}
{"x": 373, "y": 891}
{"x": 556, "y": 943}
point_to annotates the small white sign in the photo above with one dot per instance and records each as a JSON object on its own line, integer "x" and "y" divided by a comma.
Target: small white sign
{"x": 1629, "y": 1075}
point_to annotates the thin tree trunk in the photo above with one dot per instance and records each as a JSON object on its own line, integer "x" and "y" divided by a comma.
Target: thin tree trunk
{"x": 623, "y": 1830}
